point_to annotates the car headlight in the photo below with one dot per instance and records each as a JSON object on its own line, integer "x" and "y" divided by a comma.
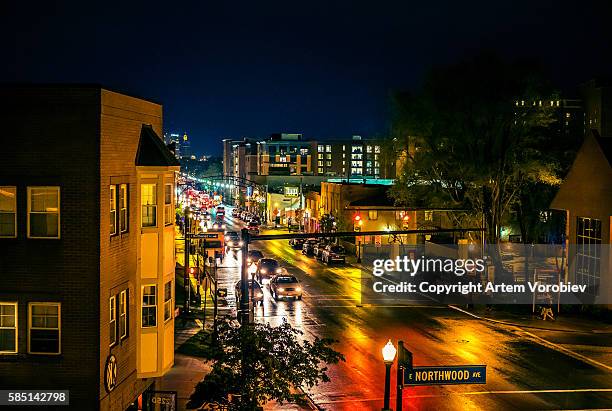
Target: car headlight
{"x": 230, "y": 243}
{"x": 278, "y": 270}
{"x": 249, "y": 260}
{"x": 263, "y": 271}
{"x": 241, "y": 243}
{"x": 298, "y": 289}
{"x": 281, "y": 289}
{"x": 259, "y": 295}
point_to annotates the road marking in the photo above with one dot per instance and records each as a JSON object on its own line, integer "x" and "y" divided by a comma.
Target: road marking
{"x": 541, "y": 340}
{"x": 491, "y": 392}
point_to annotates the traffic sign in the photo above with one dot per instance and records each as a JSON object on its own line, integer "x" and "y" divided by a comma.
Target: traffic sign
{"x": 446, "y": 375}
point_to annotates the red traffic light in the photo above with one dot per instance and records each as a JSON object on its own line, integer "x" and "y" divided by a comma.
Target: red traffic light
{"x": 357, "y": 217}
{"x": 191, "y": 270}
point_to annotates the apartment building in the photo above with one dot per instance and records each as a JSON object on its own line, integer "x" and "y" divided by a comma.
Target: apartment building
{"x": 86, "y": 245}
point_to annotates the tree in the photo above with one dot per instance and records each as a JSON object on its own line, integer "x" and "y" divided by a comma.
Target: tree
{"x": 259, "y": 363}
{"x": 473, "y": 138}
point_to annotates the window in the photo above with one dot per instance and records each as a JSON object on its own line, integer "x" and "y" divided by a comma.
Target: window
{"x": 328, "y": 163}
{"x": 428, "y": 215}
{"x": 304, "y": 151}
{"x": 44, "y": 326}
{"x": 149, "y": 205}
{"x": 168, "y": 214}
{"x": 588, "y": 253}
{"x": 320, "y": 170}
{"x": 123, "y": 208}
{"x": 328, "y": 156}
{"x": 328, "y": 148}
{"x": 113, "y": 210}
{"x": 112, "y": 321}
{"x": 372, "y": 214}
{"x": 8, "y": 328}
{"x": 43, "y": 212}
{"x": 377, "y": 149}
{"x": 123, "y": 318}
{"x": 320, "y": 163}
{"x": 320, "y": 156}
{"x": 168, "y": 301}
{"x": 8, "y": 212}
{"x": 149, "y": 306}
{"x": 320, "y": 149}
{"x": 368, "y": 149}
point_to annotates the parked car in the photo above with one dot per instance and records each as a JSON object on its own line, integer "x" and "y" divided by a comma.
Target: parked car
{"x": 285, "y": 286}
{"x": 253, "y": 228}
{"x": 308, "y": 246}
{"x": 232, "y": 241}
{"x": 254, "y": 256}
{"x": 257, "y": 291}
{"x": 318, "y": 248}
{"x": 297, "y": 243}
{"x": 266, "y": 269}
{"x": 333, "y": 253}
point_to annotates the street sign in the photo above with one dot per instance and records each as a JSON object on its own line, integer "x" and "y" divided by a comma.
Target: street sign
{"x": 446, "y": 375}
{"x": 222, "y": 292}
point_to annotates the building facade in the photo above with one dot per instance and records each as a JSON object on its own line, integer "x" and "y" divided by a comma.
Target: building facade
{"x": 87, "y": 255}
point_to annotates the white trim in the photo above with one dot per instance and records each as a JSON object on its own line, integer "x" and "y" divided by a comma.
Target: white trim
{"x": 112, "y": 318}
{"x": 59, "y": 225}
{"x": 123, "y": 299}
{"x": 16, "y": 327}
{"x": 153, "y": 305}
{"x": 59, "y": 326}
{"x": 14, "y": 213}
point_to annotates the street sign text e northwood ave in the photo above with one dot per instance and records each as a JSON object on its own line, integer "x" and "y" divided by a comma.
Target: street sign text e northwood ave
{"x": 446, "y": 375}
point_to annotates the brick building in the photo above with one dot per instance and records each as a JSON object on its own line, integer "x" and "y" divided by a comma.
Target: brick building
{"x": 87, "y": 244}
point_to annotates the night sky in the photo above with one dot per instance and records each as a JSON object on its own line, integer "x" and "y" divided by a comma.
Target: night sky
{"x": 232, "y": 69}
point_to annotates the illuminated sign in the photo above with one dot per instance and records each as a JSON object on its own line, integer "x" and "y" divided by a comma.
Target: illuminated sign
{"x": 446, "y": 375}
{"x": 110, "y": 373}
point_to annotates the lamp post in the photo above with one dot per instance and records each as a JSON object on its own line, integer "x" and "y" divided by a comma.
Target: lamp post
{"x": 388, "y": 353}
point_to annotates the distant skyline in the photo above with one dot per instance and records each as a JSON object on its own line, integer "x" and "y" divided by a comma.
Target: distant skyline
{"x": 324, "y": 69}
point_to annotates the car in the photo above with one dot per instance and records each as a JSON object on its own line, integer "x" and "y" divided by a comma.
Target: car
{"x": 266, "y": 269}
{"x": 333, "y": 253}
{"x": 253, "y": 256}
{"x": 297, "y": 243}
{"x": 285, "y": 286}
{"x": 256, "y": 293}
{"x": 253, "y": 228}
{"x": 318, "y": 248}
{"x": 232, "y": 240}
{"x": 308, "y": 246}
{"x": 218, "y": 225}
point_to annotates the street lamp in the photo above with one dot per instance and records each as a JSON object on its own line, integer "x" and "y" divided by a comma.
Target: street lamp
{"x": 388, "y": 353}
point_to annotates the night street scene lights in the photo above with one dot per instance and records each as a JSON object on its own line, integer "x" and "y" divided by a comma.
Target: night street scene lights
{"x": 388, "y": 353}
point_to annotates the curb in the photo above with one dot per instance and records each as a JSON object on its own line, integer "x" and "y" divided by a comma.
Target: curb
{"x": 313, "y": 405}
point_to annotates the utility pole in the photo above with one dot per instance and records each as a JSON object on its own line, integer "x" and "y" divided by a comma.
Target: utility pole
{"x": 244, "y": 279}
{"x": 186, "y": 265}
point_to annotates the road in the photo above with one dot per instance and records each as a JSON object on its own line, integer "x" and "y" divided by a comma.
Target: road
{"x": 523, "y": 370}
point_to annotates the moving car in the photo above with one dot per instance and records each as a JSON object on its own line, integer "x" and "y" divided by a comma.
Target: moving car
{"x": 318, "y": 248}
{"x": 333, "y": 253}
{"x": 257, "y": 290}
{"x": 308, "y": 246}
{"x": 253, "y": 228}
{"x": 285, "y": 286}
{"x": 254, "y": 256}
{"x": 266, "y": 269}
{"x": 232, "y": 241}
{"x": 297, "y": 243}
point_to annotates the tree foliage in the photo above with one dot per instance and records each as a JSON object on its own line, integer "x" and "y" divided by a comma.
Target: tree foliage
{"x": 260, "y": 363}
{"x": 478, "y": 136}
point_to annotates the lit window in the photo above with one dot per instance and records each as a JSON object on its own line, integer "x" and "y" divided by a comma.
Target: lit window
{"x": 8, "y": 212}
{"x": 44, "y": 328}
{"x": 377, "y": 149}
{"x": 588, "y": 254}
{"x": 328, "y": 148}
{"x": 320, "y": 163}
{"x": 168, "y": 214}
{"x": 149, "y": 306}
{"x": 149, "y": 205}
{"x": 428, "y": 215}
{"x": 168, "y": 301}
{"x": 567, "y": 115}
{"x": 8, "y": 328}
{"x": 112, "y": 321}
{"x": 113, "y": 210}
{"x": 43, "y": 212}
{"x": 328, "y": 156}
{"x": 320, "y": 170}
{"x": 304, "y": 151}
{"x": 372, "y": 214}
{"x": 123, "y": 208}
{"x": 123, "y": 318}
{"x": 368, "y": 149}
{"x": 328, "y": 163}
{"x": 320, "y": 156}
{"x": 320, "y": 149}
{"x": 343, "y": 147}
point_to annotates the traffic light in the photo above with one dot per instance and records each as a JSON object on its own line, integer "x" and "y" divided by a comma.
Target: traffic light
{"x": 191, "y": 270}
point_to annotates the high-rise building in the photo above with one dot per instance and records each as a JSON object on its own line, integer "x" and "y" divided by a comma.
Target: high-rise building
{"x": 597, "y": 96}
{"x": 86, "y": 245}
{"x": 174, "y": 139}
{"x": 285, "y": 154}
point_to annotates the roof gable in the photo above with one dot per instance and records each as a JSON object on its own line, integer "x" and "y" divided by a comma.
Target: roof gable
{"x": 152, "y": 151}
